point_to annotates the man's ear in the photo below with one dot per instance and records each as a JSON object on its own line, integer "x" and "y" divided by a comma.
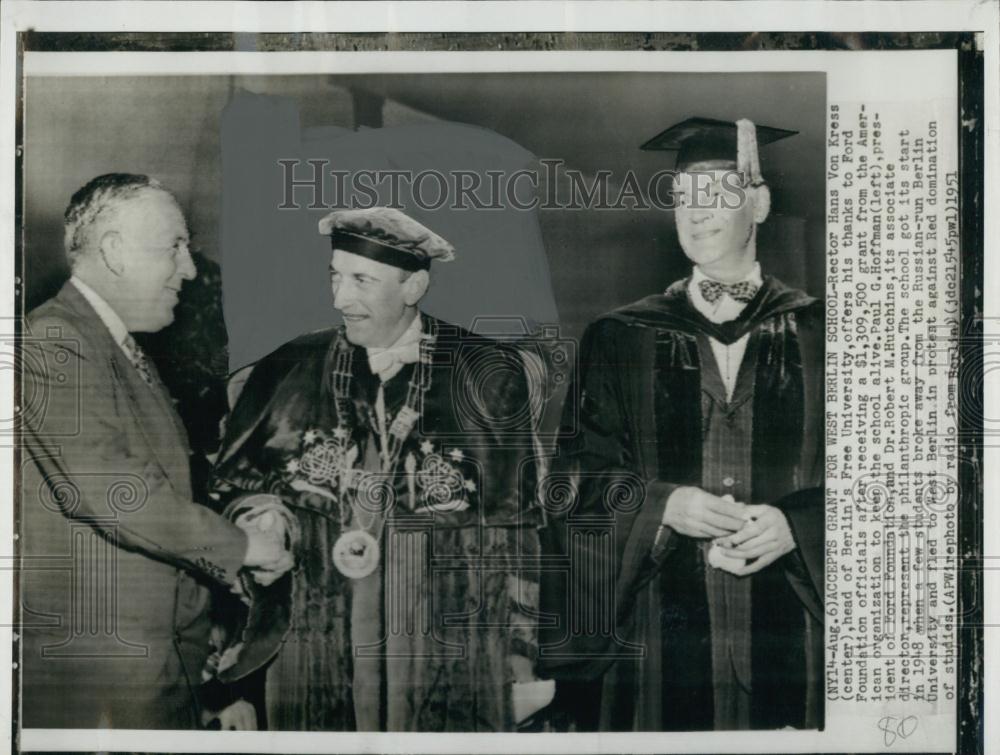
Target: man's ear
{"x": 761, "y": 203}
{"x": 112, "y": 248}
{"x": 415, "y": 287}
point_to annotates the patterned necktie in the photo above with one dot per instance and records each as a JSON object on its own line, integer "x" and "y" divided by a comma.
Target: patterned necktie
{"x": 743, "y": 291}
{"x": 138, "y": 359}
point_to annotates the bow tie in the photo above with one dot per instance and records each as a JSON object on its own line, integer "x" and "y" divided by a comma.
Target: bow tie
{"x": 743, "y": 291}
{"x": 387, "y": 362}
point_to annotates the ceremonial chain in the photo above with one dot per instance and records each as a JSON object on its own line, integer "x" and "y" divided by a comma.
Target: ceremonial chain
{"x": 356, "y": 552}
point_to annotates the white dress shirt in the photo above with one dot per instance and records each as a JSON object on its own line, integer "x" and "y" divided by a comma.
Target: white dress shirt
{"x": 386, "y": 362}
{"x": 405, "y": 350}
{"x": 728, "y": 358}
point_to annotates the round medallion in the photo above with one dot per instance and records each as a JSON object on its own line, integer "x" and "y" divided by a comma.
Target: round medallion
{"x": 356, "y": 554}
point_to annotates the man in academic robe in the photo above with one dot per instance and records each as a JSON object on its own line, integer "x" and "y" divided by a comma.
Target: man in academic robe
{"x": 704, "y": 403}
{"x": 404, "y": 445}
{"x": 116, "y": 557}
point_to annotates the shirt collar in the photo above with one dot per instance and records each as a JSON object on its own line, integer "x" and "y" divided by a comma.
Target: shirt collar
{"x": 108, "y": 316}
{"x": 412, "y": 333}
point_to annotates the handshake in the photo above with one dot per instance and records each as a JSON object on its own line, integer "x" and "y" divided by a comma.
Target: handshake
{"x": 272, "y": 533}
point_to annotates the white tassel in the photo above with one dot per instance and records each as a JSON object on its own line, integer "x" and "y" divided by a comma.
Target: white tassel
{"x": 747, "y": 159}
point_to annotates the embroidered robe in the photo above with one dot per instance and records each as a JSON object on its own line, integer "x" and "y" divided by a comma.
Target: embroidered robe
{"x": 430, "y": 640}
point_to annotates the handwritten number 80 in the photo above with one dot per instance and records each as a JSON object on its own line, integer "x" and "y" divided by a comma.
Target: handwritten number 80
{"x": 894, "y": 728}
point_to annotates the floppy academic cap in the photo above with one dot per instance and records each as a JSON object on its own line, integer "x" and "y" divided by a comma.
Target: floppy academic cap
{"x": 699, "y": 140}
{"x": 386, "y": 235}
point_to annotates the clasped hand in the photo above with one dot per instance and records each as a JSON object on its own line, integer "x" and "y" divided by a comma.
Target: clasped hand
{"x": 754, "y": 535}
{"x": 267, "y": 554}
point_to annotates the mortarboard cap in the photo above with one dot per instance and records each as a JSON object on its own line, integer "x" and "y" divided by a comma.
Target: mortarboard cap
{"x": 386, "y": 235}
{"x": 699, "y": 140}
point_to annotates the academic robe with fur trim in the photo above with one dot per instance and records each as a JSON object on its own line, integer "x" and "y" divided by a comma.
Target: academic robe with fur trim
{"x": 663, "y": 640}
{"x": 428, "y": 642}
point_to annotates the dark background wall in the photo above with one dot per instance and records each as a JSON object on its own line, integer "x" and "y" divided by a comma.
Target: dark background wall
{"x": 196, "y": 135}
{"x": 79, "y": 127}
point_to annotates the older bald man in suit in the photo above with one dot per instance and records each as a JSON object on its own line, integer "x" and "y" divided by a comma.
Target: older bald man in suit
{"x": 115, "y": 628}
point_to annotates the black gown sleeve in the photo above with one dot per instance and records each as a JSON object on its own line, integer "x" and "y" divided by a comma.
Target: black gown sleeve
{"x": 604, "y": 508}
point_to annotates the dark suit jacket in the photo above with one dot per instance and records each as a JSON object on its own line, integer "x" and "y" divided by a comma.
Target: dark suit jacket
{"x": 116, "y": 556}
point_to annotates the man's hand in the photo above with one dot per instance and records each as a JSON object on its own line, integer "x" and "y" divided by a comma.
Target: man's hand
{"x": 766, "y": 538}
{"x": 268, "y": 541}
{"x": 695, "y": 513}
{"x": 267, "y": 577}
{"x": 239, "y": 716}
{"x": 266, "y": 555}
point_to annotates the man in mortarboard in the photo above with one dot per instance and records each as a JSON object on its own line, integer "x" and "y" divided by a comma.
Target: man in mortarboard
{"x": 404, "y": 444}
{"x": 711, "y": 395}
